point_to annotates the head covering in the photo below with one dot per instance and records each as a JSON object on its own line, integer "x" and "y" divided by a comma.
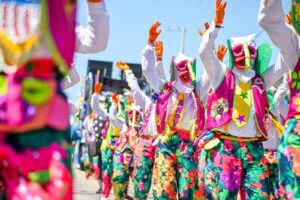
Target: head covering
{"x": 54, "y": 20}
{"x": 264, "y": 52}
{"x": 192, "y": 66}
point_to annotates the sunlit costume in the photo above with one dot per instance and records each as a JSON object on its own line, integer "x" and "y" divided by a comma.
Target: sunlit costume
{"x": 232, "y": 155}
{"x": 125, "y": 118}
{"x": 179, "y": 120}
{"x": 286, "y": 38}
{"x": 145, "y": 149}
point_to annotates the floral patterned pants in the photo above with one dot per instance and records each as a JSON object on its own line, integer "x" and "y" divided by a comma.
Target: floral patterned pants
{"x": 143, "y": 165}
{"x": 123, "y": 167}
{"x": 175, "y": 169}
{"x": 232, "y": 166}
{"x": 289, "y": 160}
{"x": 107, "y": 171}
{"x": 270, "y": 159}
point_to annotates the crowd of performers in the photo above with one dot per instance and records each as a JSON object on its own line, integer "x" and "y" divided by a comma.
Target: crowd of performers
{"x": 233, "y": 134}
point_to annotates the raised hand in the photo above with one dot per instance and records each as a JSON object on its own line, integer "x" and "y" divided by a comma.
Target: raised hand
{"x": 153, "y": 33}
{"x": 288, "y": 18}
{"x": 122, "y": 65}
{"x": 94, "y": 1}
{"x": 97, "y": 88}
{"x": 115, "y": 98}
{"x": 201, "y": 32}
{"x": 221, "y": 51}
{"x": 159, "y": 49}
{"x": 220, "y": 12}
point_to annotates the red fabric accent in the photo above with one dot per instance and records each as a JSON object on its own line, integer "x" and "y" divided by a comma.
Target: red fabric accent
{"x": 38, "y": 68}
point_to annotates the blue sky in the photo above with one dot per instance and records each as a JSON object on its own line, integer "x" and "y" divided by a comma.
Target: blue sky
{"x": 130, "y": 21}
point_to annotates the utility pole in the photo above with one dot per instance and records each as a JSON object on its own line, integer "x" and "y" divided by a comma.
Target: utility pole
{"x": 182, "y": 31}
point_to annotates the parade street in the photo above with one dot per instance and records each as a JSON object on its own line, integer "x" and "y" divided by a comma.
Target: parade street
{"x": 85, "y": 189}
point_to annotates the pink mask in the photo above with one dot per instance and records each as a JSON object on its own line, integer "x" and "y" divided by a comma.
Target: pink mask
{"x": 183, "y": 70}
{"x": 240, "y": 56}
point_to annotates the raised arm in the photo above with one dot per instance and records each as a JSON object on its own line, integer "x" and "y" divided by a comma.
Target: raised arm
{"x": 159, "y": 49}
{"x": 214, "y": 67}
{"x": 275, "y": 72}
{"x": 93, "y": 38}
{"x": 279, "y": 98}
{"x": 72, "y": 79}
{"x": 139, "y": 96}
{"x": 113, "y": 117}
{"x": 96, "y": 106}
{"x": 148, "y": 60}
{"x": 272, "y": 19}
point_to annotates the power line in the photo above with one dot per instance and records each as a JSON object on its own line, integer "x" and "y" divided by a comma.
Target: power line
{"x": 197, "y": 17}
{"x": 189, "y": 14}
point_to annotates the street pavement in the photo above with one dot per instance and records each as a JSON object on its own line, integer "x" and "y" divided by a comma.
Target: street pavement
{"x": 85, "y": 189}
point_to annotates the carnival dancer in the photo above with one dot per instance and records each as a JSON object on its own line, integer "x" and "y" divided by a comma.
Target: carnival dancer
{"x": 236, "y": 111}
{"x": 125, "y": 146}
{"x": 179, "y": 120}
{"x": 93, "y": 125}
{"x": 286, "y": 38}
{"x": 109, "y": 134}
{"x": 123, "y": 157}
{"x": 34, "y": 111}
{"x": 145, "y": 150}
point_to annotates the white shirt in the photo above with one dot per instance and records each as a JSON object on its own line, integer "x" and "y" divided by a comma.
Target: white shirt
{"x": 216, "y": 72}
{"x": 93, "y": 38}
{"x": 273, "y": 138}
{"x": 142, "y": 100}
{"x": 72, "y": 79}
{"x": 279, "y": 99}
{"x": 90, "y": 39}
{"x": 272, "y": 19}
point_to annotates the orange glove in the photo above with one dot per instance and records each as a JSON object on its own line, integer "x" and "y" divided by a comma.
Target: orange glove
{"x": 221, "y": 51}
{"x": 94, "y": 1}
{"x": 97, "y": 88}
{"x": 130, "y": 100}
{"x": 159, "y": 49}
{"x": 288, "y": 18}
{"x": 153, "y": 33}
{"x": 220, "y": 12}
{"x": 115, "y": 98}
{"x": 206, "y": 25}
{"x": 122, "y": 66}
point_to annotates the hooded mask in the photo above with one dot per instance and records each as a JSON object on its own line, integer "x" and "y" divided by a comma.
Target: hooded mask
{"x": 244, "y": 56}
{"x": 183, "y": 71}
{"x": 25, "y": 23}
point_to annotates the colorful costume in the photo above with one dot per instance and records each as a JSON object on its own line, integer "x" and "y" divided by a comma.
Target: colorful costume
{"x": 93, "y": 125}
{"x": 107, "y": 152}
{"x": 110, "y": 134}
{"x": 123, "y": 158}
{"x": 34, "y": 118}
{"x": 145, "y": 150}
{"x": 232, "y": 154}
{"x": 287, "y": 40}
{"x": 179, "y": 119}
